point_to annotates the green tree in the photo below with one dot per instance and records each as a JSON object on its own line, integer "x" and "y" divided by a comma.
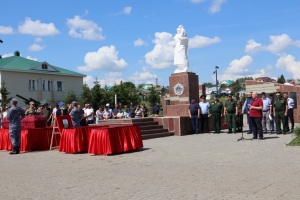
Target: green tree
{"x": 281, "y": 79}
{"x": 70, "y": 96}
{"x": 153, "y": 97}
{"x": 208, "y": 84}
{"x": 4, "y": 101}
{"x": 126, "y": 93}
{"x": 97, "y": 94}
{"x": 85, "y": 96}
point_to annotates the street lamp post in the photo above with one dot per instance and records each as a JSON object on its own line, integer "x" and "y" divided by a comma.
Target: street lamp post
{"x": 216, "y": 72}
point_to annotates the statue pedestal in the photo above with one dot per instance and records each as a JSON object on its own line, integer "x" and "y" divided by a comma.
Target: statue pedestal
{"x": 183, "y": 87}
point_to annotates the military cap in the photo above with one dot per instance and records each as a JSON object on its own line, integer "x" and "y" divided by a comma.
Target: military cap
{"x": 31, "y": 103}
{"x": 14, "y": 100}
{"x": 263, "y": 93}
{"x": 193, "y": 98}
{"x": 237, "y": 94}
{"x": 202, "y": 96}
{"x": 56, "y": 104}
{"x": 278, "y": 93}
{"x": 230, "y": 95}
{"x": 74, "y": 102}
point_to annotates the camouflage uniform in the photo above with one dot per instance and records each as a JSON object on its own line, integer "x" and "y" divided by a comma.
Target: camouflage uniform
{"x": 30, "y": 112}
{"x": 76, "y": 117}
{"x": 14, "y": 116}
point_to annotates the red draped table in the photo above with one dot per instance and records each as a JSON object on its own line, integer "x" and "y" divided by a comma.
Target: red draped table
{"x": 31, "y": 139}
{"x": 113, "y": 140}
{"x": 75, "y": 140}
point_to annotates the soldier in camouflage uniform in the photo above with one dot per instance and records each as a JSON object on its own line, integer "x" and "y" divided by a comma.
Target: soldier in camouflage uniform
{"x": 280, "y": 112}
{"x": 31, "y": 110}
{"x": 216, "y": 110}
{"x": 231, "y": 111}
{"x": 239, "y": 117}
{"x": 75, "y": 114}
{"x": 14, "y": 115}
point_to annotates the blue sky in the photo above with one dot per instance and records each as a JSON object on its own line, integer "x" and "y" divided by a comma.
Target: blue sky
{"x": 131, "y": 40}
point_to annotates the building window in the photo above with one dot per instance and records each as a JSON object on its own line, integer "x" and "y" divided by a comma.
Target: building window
{"x": 59, "y": 86}
{"x": 49, "y": 85}
{"x": 43, "y": 85}
{"x": 44, "y": 66}
{"x": 31, "y": 85}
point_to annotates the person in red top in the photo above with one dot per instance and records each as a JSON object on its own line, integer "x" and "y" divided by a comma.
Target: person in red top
{"x": 256, "y": 116}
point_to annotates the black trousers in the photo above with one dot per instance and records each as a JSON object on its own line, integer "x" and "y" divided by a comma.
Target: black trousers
{"x": 204, "y": 122}
{"x": 257, "y": 127}
{"x": 290, "y": 115}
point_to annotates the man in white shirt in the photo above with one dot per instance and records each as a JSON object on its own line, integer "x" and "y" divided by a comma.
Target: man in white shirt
{"x": 89, "y": 114}
{"x": 290, "y": 114}
{"x": 204, "y": 109}
{"x": 265, "y": 112}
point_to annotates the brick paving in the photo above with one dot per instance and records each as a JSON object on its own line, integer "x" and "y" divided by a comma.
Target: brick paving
{"x": 206, "y": 166}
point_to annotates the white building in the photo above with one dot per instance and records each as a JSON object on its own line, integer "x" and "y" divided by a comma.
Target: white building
{"x": 38, "y": 80}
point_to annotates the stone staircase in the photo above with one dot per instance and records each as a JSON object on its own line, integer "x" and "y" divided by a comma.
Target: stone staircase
{"x": 149, "y": 128}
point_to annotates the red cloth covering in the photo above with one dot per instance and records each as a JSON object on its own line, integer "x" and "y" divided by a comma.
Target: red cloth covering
{"x": 29, "y": 122}
{"x": 76, "y": 139}
{"x": 59, "y": 122}
{"x": 113, "y": 140}
{"x": 31, "y": 139}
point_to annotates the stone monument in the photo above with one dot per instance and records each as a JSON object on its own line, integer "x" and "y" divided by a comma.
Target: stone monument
{"x": 181, "y": 43}
{"x": 183, "y": 86}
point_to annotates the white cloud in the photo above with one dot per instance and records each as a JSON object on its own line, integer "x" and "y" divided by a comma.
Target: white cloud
{"x": 7, "y": 55}
{"x": 139, "y": 42}
{"x": 278, "y": 44}
{"x": 161, "y": 56}
{"x": 106, "y": 58}
{"x": 38, "y": 39}
{"x": 288, "y": 63}
{"x": 6, "y": 30}
{"x": 84, "y": 29}
{"x": 216, "y": 6}
{"x": 196, "y": 1}
{"x": 109, "y": 79}
{"x": 37, "y": 28}
{"x": 239, "y": 68}
{"x": 127, "y": 10}
{"x": 89, "y": 80}
{"x": 36, "y": 47}
{"x": 30, "y": 58}
{"x": 253, "y": 47}
{"x": 143, "y": 77}
{"x": 200, "y": 41}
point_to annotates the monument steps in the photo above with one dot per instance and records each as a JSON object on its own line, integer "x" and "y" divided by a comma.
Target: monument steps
{"x": 149, "y": 128}
{"x": 157, "y": 135}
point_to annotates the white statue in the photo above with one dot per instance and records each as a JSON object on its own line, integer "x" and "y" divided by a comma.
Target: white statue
{"x": 180, "y": 52}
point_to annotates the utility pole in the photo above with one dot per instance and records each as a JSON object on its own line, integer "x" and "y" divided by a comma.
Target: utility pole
{"x": 216, "y": 72}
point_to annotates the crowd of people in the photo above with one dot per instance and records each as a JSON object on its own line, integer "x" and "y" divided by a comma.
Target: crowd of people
{"x": 87, "y": 114}
{"x": 262, "y": 112}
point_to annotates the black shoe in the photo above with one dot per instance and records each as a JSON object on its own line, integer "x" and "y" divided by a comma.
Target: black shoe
{"x": 284, "y": 133}
{"x": 229, "y": 132}
{"x": 254, "y": 138}
{"x": 278, "y": 133}
{"x": 17, "y": 150}
{"x": 14, "y": 151}
{"x": 249, "y": 133}
{"x": 234, "y": 132}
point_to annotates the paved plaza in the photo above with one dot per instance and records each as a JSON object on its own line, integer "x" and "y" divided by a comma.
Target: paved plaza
{"x": 205, "y": 166}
